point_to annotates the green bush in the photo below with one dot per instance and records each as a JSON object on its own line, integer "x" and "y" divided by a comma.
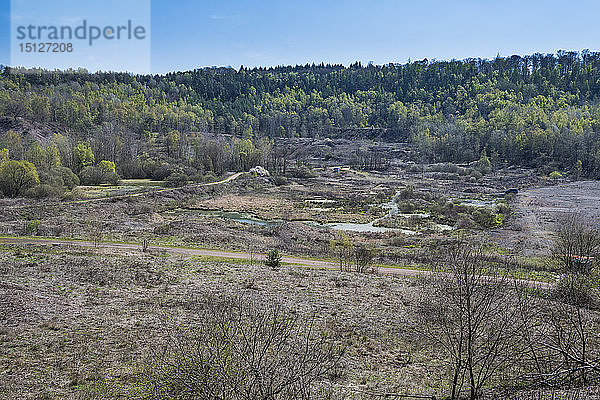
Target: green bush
{"x": 162, "y": 229}
{"x": 406, "y": 206}
{"x": 503, "y": 207}
{"x": 280, "y": 180}
{"x": 161, "y": 172}
{"x": 32, "y": 227}
{"x": 485, "y": 217}
{"x": 301, "y": 172}
{"x": 54, "y": 182}
{"x": 16, "y": 177}
{"x": 273, "y": 259}
{"x": 445, "y": 167}
{"x": 97, "y": 175}
{"x": 555, "y": 175}
{"x": 177, "y": 179}
{"x": 464, "y": 171}
{"x": 91, "y": 176}
{"x": 44, "y": 190}
{"x": 68, "y": 177}
{"x": 476, "y": 174}
{"x": 74, "y": 194}
{"x": 484, "y": 165}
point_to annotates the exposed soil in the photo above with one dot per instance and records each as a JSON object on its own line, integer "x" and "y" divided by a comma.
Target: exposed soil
{"x": 347, "y": 196}
{"x": 538, "y": 210}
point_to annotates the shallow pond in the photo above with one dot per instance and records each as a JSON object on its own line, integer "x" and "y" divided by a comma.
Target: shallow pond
{"x": 363, "y": 228}
{"x": 478, "y": 203}
{"x": 367, "y": 228}
{"x": 391, "y": 207}
{"x": 245, "y": 218}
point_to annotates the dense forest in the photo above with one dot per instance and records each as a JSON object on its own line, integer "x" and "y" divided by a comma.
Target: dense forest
{"x": 537, "y": 111}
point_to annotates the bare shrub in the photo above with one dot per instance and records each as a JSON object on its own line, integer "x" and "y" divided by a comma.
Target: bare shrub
{"x": 472, "y": 313}
{"x": 242, "y": 350}
{"x": 145, "y": 244}
{"x": 351, "y": 255}
{"x": 95, "y": 229}
{"x": 341, "y": 247}
{"x": 587, "y": 393}
{"x": 363, "y": 258}
{"x": 577, "y": 289}
{"x": 576, "y": 247}
{"x": 577, "y": 244}
{"x": 563, "y": 347}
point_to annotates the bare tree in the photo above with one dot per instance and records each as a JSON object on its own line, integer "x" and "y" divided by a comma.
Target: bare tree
{"x": 242, "y": 350}
{"x": 95, "y": 231}
{"x": 352, "y": 256}
{"x": 577, "y": 244}
{"x": 563, "y": 346}
{"x": 145, "y": 244}
{"x": 363, "y": 258}
{"x": 471, "y": 312}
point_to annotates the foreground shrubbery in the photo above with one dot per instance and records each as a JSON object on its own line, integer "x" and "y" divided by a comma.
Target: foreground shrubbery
{"x": 497, "y": 332}
{"x": 163, "y": 336}
{"x": 243, "y": 350}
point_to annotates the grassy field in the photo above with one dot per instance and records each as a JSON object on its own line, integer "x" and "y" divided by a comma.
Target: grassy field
{"x": 85, "y": 323}
{"x": 125, "y": 186}
{"x": 81, "y": 320}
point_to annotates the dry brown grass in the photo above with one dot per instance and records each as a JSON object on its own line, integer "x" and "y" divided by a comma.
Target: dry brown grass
{"x": 77, "y": 321}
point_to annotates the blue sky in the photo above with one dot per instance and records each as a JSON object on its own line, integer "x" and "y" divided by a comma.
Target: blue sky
{"x": 188, "y": 34}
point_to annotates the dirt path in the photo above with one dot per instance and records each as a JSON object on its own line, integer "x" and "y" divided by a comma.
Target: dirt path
{"x": 228, "y": 179}
{"x": 132, "y": 195}
{"x": 296, "y": 261}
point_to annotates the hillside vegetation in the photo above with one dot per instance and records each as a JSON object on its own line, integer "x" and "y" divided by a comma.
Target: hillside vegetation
{"x": 535, "y": 111}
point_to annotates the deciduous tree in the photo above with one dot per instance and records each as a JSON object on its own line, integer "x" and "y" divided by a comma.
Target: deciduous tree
{"x": 16, "y": 177}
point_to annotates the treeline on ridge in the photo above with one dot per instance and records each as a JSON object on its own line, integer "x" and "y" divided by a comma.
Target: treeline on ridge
{"x": 537, "y": 111}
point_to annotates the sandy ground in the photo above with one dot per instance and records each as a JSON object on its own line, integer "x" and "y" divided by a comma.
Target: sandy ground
{"x": 537, "y": 211}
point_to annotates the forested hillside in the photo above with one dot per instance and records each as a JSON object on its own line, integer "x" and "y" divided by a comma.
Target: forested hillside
{"x": 538, "y": 111}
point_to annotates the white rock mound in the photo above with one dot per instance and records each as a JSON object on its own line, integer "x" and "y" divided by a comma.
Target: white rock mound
{"x": 259, "y": 171}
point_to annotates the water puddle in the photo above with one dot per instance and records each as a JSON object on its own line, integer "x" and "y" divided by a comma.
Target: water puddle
{"x": 370, "y": 227}
{"x": 244, "y": 218}
{"x": 478, "y": 203}
{"x": 321, "y": 201}
{"x": 443, "y": 227}
{"x": 362, "y": 228}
